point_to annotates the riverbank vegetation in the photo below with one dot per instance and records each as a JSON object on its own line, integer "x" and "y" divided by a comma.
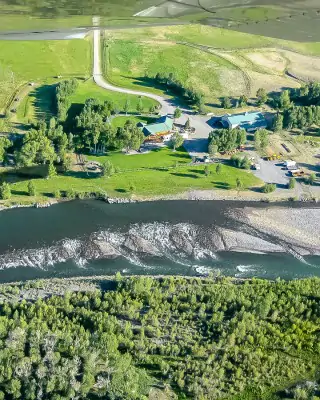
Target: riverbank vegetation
{"x": 191, "y": 338}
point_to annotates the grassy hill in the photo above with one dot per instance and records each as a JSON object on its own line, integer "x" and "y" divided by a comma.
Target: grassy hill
{"x": 214, "y": 61}
{"x": 21, "y": 62}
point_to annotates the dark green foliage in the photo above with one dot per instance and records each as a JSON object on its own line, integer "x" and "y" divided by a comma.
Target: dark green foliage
{"x": 226, "y": 103}
{"x": 227, "y": 139}
{"x": 176, "y": 140}
{"x": 107, "y": 169}
{"x": 177, "y": 113}
{"x": 243, "y": 100}
{"x": 5, "y": 191}
{"x": 269, "y": 188}
{"x": 261, "y": 139}
{"x": 64, "y": 90}
{"x": 262, "y": 96}
{"x": 240, "y": 161}
{"x": 292, "y": 183}
{"x": 301, "y": 116}
{"x": 31, "y": 189}
{"x": 206, "y": 339}
{"x": 277, "y": 124}
{"x": 174, "y": 85}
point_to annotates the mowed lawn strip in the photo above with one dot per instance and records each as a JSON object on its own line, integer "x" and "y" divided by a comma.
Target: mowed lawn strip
{"x": 154, "y": 159}
{"x": 144, "y": 183}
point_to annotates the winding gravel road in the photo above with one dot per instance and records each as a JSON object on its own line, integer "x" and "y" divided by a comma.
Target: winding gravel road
{"x": 199, "y": 141}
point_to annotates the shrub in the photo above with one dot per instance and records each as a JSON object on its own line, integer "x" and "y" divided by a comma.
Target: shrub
{"x": 31, "y": 189}
{"x": 57, "y": 194}
{"x": 269, "y": 188}
{"x": 70, "y": 194}
{"x": 291, "y": 183}
{"x": 5, "y": 191}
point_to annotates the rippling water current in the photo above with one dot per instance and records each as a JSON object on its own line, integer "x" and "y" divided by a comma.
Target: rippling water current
{"x": 174, "y": 237}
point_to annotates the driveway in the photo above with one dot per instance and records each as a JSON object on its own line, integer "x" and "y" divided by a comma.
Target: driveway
{"x": 196, "y": 144}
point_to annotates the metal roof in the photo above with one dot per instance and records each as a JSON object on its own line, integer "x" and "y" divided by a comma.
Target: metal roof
{"x": 164, "y": 124}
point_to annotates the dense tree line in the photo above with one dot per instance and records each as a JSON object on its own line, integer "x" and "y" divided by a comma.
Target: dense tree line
{"x": 94, "y": 133}
{"x": 301, "y": 116}
{"x": 171, "y": 82}
{"x": 44, "y": 144}
{"x": 202, "y": 338}
{"x": 226, "y": 139}
{"x": 64, "y": 91}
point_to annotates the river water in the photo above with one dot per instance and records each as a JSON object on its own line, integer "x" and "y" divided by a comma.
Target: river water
{"x": 84, "y": 238}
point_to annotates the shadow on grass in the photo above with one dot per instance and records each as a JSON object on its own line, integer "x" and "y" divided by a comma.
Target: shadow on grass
{"x": 82, "y": 174}
{"x": 179, "y": 155}
{"x": 197, "y": 171}
{"x": 120, "y": 190}
{"x": 184, "y": 175}
{"x": 19, "y": 192}
{"x": 44, "y": 103}
{"x": 222, "y": 185}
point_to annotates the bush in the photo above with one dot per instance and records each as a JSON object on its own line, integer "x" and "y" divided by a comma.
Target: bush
{"x": 240, "y": 162}
{"x": 292, "y": 183}
{"x": 57, "y": 194}
{"x": 70, "y": 194}
{"x": 31, "y": 189}
{"x": 269, "y": 188}
{"x": 5, "y": 191}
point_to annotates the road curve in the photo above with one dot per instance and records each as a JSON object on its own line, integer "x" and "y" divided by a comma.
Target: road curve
{"x": 166, "y": 108}
{"x": 198, "y": 144}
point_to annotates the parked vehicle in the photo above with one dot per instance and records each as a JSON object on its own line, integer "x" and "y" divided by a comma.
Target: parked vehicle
{"x": 290, "y": 164}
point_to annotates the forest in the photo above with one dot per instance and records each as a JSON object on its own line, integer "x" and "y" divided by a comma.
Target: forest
{"x": 191, "y": 338}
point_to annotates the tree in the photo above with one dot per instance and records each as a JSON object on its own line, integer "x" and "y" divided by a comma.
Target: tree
{"x": 66, "y": 162}
{"x": 291, "y": 183}
{"x": 262, "y": 96}
{"x": 261, "y": 139}
{"x": 239, "y": 184}
{"x": 277, "y": 125}
{"x": 140, "y": 105}
{"x": 107, "y": 169}
{"x": 187, "y": 125}
{"x": 206, "y": 170}
{"x": 269, "y": 188}
{"x": 5, "y": 191}
{"x": 226, "y": 103}
{"x": 227, "y": 139}
{"x": 311, "y": 179}
{"x": 243, "y": 100}
{"x": 177, "y": 113}
{"x": 31, "y": 189}
{"x": 218, "y": 168}
{"x": 176, "y": 140}
{"x": 152, "y": 109}
{"x": 126, "y": 107}
{"x": 4, "y": 144}
{"x": 212, "y": 149}
{"x": 284, "y": 100}
{"x": 52, "y": 172}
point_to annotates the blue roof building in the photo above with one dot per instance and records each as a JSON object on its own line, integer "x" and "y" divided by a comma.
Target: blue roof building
{"x": 250, "y": 121}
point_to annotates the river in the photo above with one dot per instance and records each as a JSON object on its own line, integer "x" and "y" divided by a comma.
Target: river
{"x": 84, "y": 238}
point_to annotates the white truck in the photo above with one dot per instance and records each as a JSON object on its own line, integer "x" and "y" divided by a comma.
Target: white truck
{"x": 290, "y": 164}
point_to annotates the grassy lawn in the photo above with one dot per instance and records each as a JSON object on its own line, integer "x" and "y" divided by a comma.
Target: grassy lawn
{"x": 90, "y": 89}
{"x": 121, "y": 120}
{"x": 154, "y": 159}
{"x": 21, "y": 62}
{"x": 131, "y": 64}
{"x": 145, "y": 183}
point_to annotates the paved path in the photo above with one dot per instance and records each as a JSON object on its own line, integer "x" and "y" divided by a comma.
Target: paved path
{"x": 195, "y": 145}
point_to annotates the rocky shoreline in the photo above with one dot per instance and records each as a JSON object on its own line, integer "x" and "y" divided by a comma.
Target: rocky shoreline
{"x": 194, "y": 195}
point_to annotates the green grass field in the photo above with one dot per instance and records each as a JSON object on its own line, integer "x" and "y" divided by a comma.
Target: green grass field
{"x": 155, "y": 159}
{"x": 214, "y": 37}
{"x": 145, "y": 183}
{"x": 21, "y": 62}
{"x": 121, "y": 120}
{"x": 131, "y": 63}
{"x": 90, "y": 89}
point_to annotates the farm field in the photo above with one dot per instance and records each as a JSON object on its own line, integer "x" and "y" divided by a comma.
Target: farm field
{"x": 231, "y": 64}
{"x": 145, "y": 183}
{"x": 21, "y": 62}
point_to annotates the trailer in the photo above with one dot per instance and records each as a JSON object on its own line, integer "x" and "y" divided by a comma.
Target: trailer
{"x": 290, "y": 164}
